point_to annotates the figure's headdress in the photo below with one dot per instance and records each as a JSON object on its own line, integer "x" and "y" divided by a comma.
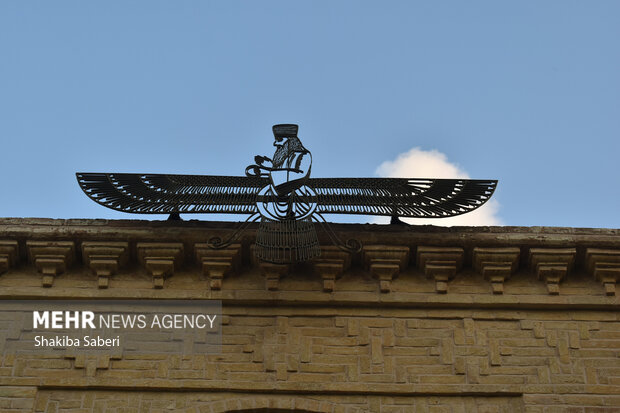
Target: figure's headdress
{"x": 285, "y": 130}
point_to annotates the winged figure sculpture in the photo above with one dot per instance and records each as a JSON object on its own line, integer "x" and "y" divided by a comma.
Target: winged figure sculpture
{"x": 280, "y": 193}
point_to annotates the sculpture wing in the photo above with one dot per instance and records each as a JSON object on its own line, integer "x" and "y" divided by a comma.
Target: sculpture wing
{"x": 162, "y": 194}
{"x": 402, "y": 197}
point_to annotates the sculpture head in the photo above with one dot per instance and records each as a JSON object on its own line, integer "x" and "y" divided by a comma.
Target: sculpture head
{"x": 286, "y": 142}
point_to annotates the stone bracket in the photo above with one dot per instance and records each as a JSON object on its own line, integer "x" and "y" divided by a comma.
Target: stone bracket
{"x": 332, "y": 263}
{"x": 160, "y": 259}
{"x": 440, "y": 264}
{"x": 217, "y": 263}
{"x": 604, "y": 265}
{"x": 105, "y": 259}
{"x": 51, "y": 258}
{"x": 552, "y": 265}
{"x": 496, "y": 265}
{"x": 273, "y": 273}
{"x": 9, "y": 253}
{"x": 385, "y": 262}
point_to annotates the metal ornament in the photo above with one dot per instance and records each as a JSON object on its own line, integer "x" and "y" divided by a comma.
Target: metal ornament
{"x": 280, "y": 193}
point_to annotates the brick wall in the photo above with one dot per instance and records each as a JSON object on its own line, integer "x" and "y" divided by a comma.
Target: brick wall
{"x": 355, "y": 346}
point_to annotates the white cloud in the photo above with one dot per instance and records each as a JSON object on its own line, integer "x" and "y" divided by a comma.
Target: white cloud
{"x": 417, "y": 163}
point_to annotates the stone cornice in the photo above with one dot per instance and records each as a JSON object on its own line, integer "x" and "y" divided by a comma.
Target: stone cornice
{"x": 482, "y": 266}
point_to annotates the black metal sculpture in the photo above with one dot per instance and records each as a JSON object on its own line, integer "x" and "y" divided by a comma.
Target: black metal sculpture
{"x": 280, "y": 192}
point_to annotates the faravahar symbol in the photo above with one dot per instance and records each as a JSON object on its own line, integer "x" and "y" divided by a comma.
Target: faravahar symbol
{"x": 280, "y": 193}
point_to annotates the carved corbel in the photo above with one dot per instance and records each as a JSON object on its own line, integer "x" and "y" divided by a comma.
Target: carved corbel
{"x": 604, "y": 265}
{"x": 385, "y": 262}
{"x": 496, "y": 265}
{"x": 51, "y": 258}
{"x": 440, "y": 264}
{"x": 217, "y": 263}
{"x": 552, "y": 265}
{"x": 273, "y": 273}
{"x": 330, "y": 265}
{"x": 8, "y": 255}
{"x": 160, "y": 259}
{"x": 104, "y": 259}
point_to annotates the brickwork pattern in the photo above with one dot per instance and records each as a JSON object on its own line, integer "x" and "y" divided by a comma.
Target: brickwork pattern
{"x": 552, "y": 358}
{"x": 143, "y": 402}
{"x": 519, "y": 320}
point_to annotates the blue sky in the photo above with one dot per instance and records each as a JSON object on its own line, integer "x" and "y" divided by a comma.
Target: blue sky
{"x": 527, "y": 92}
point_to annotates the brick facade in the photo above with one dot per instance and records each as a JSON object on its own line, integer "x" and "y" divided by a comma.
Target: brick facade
{"x": 423, "y": 319}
